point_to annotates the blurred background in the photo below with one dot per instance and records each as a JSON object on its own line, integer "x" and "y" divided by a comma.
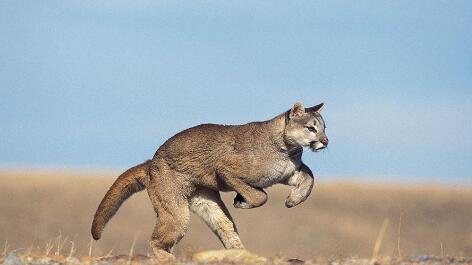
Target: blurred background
{"x": 91, "y": 88}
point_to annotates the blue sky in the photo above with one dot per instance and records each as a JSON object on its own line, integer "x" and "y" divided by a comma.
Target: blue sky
{"x": 101, "y": 84}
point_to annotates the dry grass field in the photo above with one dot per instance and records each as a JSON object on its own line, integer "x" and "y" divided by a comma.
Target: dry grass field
{"x": 38, "y": 208}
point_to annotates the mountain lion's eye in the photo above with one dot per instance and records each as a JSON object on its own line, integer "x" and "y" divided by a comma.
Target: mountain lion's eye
{"x": 311, "y": 129}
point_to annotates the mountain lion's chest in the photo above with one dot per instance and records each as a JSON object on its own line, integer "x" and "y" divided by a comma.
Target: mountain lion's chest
{"x": 277, "y": 171}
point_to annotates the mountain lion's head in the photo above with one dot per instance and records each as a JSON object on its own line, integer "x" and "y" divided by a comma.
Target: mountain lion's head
{"x": 305, "y": 127}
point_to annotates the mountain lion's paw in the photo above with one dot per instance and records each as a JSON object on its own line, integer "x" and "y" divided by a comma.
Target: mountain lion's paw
{"x": 240, "y": 203}
{"x": 291, "y": 202}
{"x": 163, "y": 257}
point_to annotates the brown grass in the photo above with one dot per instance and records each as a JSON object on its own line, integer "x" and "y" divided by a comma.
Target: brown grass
{"x": 43, "y": 209}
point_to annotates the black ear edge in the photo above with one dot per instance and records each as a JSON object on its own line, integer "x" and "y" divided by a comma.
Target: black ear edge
{"x": 316, "y": 108}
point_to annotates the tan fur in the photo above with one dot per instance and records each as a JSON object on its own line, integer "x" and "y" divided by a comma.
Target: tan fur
{"x": 188, "y": 170}
{"x": 131, "y": 181}
{"x": 208, "y": 205}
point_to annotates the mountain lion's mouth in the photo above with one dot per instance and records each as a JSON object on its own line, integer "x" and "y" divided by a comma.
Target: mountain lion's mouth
{"x": 316, "y": 146}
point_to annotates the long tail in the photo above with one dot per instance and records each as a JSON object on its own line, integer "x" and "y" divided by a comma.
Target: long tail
{"x": 131, "y": 181}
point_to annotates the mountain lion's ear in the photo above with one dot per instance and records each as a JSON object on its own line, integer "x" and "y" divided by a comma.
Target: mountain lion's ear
{"x": 297, "y": 110}
{"x": 316, "y": 108}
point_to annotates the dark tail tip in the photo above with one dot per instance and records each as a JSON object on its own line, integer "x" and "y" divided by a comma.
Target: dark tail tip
{"x": 95, "y": 233}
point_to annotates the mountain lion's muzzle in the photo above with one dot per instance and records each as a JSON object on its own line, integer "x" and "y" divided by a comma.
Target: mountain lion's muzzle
{"x": 319, "y": 145}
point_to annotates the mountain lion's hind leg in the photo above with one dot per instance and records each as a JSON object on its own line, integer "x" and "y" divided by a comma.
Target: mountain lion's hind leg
{"x": 208, "y": 205}
{"x": 173, "y": 214}
{"x": 302, "y": 182}
{"x": 171, "y": 225}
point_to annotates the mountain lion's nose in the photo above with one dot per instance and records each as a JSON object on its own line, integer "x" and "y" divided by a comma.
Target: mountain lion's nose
{"x": 325, "y": 141}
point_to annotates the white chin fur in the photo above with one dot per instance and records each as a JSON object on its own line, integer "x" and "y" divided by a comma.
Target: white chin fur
{"x": 318, "y": 146}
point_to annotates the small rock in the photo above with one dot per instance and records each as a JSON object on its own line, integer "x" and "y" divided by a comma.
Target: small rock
{"x": 72, "y": 260}
{"x": 295, "y": 261}
{"x": 12, "y": 259}
{"x": 236, "y": 256}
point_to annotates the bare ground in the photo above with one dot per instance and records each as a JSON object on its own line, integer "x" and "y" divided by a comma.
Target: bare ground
{"x": 17, "y": 259}
{"x": 339, "y": 221}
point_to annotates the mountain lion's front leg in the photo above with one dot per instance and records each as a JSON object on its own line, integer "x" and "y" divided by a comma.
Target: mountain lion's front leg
{"x": 248, "y": 197}
{"x": 302, "y": 182}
